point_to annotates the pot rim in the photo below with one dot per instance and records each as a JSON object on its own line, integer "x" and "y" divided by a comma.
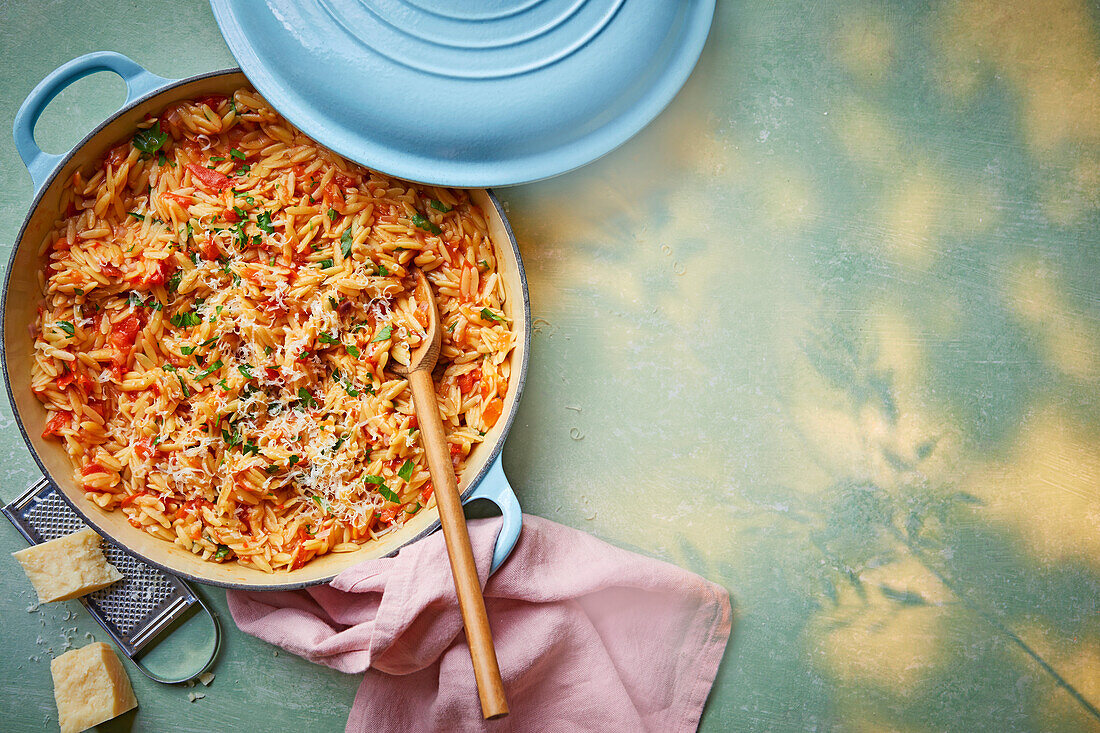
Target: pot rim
{"x": 36, "y": 201}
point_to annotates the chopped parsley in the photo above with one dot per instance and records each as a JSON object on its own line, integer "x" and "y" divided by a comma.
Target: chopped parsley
{"x": 222, "y": 553}
{"x": 325, "y": 264}
{"x": 243, "y": 170}
{"x": 440, "y": 206}
{"x": 490, "y": 316}
{"x": 422, "y": 222}
{"x": 183, "y": 385}
{"x": 294, "y": 460}
{"x": 406, "y": 470}
{"x": 250, "y": 448}
{"x": 234, "y": 153}
{"x": 183, "y": 320}
{"x": 67, "y": 327}
{"x": 332, "y": 214}
{"x": 152, "y": 302}
{"x": 151, "y": 140}
{"x": 321, "y": 502}
{"x": 246, "y": 370}
{"x": 209, "y": 370}
{"x": 353, "y": 350}
{"x": 383, "y": 271}
{"x": 232, "y": 439}
{"x": 384, "y": 334}
{"x": 325, "y": 338}
{"x": 412, "y": 508}
{"x": 174, "y": 281}
{"x": 306, "y": 397}
{"x": 241, "y": 213}
{"x": 345, "y": 243}
{"x": 263, "y": 221}
{"x": 139, "y": 217}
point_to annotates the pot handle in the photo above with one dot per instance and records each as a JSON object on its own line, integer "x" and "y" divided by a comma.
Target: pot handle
{"x": 495, "y": 487}
{"x": 40, "y": 164}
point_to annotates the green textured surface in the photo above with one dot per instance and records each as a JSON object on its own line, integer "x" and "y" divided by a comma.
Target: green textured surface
{"x": 827, "y": 332}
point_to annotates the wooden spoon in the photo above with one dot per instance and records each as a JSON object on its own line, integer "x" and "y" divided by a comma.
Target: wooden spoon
{"x": 419, "y": 373}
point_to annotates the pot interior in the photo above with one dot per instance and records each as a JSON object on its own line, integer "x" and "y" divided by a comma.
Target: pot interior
{"x": 21, "y": 299}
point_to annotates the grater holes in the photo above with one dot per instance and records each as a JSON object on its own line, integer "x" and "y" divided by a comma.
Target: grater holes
{"x": 52, "y": 517}
{"x": 128, "y": 608}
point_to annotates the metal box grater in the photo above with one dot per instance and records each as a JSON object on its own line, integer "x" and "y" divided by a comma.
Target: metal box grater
{"x": 136, "y": 609}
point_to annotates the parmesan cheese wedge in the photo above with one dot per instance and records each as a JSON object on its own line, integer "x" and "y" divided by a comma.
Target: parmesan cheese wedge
{"x": 90, "y": 686}
{"x": 67, "y": 567}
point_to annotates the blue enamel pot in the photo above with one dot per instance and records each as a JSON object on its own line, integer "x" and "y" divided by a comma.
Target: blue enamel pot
{"x": 483, "y": 477}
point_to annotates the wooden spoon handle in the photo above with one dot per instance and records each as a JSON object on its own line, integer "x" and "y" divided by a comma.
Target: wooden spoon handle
{"x": 486, "y": 671}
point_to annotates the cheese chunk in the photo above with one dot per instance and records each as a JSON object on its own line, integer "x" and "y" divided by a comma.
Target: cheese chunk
{"x": 90, "y": 686}
{"x": 67, "y": 567}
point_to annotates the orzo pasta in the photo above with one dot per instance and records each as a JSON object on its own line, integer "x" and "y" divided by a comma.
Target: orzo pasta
{"x": 220, "y": 300}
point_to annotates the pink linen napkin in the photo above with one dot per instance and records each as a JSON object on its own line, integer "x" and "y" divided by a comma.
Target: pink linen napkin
{"x": 588, "y": 636}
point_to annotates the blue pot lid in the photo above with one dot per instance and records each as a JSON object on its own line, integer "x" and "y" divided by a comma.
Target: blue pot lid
{"x": 467, "y": 93}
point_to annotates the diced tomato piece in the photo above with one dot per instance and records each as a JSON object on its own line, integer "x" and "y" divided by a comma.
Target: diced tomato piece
{"x": 125, "y": 332}
{"x": 231, "y": 216}
{"x": 118, "y": 154}
{"x": 61, "y": 419}
{"x": 133, "y": 497}
{"x": 413, "y": 423}
{"x": 213, "y": 101}
{"x": 426, "y": 492}
{"x": 343, "y": 181}
{"x": 469, "y": 380}
{"x": 209, "y": 178}
{"x": 194, "y": 506}
{"x": 180, "y": 199}
{"x": 272, "y": 372}
{"x": 302, "y": 559}
{"x": 209, "y": 249}
{"x": 157, "y": 274}
{"x": 456, "y": 453}
{"x": 386, "y": 515}
{"x": 122, "y": 338}
{"x": 65, "y": 380}
{"x": 110, "y": 269}
{"x": 143, "y": 447}
{"x": 100, "y": 406}
{"x": 492, "y": 412}
{"x": 91, "y": 468}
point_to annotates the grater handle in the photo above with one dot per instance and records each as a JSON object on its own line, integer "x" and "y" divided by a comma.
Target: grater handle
{"x": 205, "y": 666}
